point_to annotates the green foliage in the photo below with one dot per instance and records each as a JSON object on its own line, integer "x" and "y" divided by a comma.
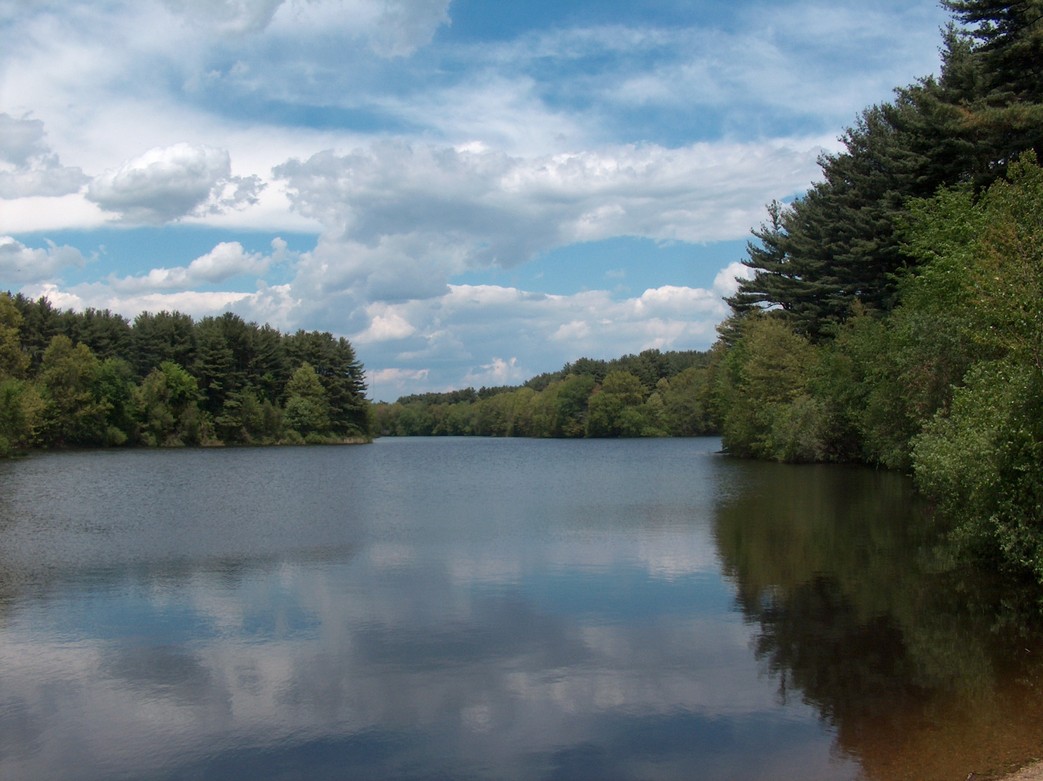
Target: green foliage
{"x": 764, "y": 386}
{"x": 341, "y": 375}
{"x": 649, "y": 394}
{"x": 167, "y": 407}
{"x": 307, "y": 410}
{"x": 615, "y": 410}
{"x": 984, "y": 462}
{"x": 13, "y": 360}
{"x": 246, "y": 419}
{"x": 92, "y": 378}
{"x": 949, "y": 383}
{"x": 570, "y": 397}
{"x": 159, "y": 337}
{"x": 114, "y": 387}
{"x": 915, "y": 269}
{"x": 108, "y": 335}
{"x": 21, "y": 411}
{"x": 40, "y": 323}
{"x": 687, "y": 405}
{"x": 73, "y": 412}
{"x": 982, "y": 455}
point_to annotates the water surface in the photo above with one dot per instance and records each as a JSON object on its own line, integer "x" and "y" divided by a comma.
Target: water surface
{"x": 471, "y": 609}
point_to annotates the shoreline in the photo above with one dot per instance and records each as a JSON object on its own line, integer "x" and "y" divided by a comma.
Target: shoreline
{"x": 1033, "y": 772}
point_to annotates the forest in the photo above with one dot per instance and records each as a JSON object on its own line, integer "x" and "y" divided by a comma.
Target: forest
{"x": 892, "y": 315}
{"x": 93, "y": 379}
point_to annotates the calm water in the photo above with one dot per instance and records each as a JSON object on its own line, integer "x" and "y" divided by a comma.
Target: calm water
{"x": 490, "y": 609}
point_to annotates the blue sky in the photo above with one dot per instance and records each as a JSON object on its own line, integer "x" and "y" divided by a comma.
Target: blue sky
{"x": 472, "y": 192}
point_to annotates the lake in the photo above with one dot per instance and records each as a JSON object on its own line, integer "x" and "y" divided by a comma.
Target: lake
{"x": 492, "y": 609}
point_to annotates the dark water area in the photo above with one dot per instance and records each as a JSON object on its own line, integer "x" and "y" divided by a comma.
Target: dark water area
{"x": 493, "y": 609}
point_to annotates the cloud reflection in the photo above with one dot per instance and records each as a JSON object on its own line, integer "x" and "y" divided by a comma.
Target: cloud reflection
{"x": 464, "y": 646}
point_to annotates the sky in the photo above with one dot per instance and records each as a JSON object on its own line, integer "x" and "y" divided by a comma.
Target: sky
{"x": 472, "y": 192}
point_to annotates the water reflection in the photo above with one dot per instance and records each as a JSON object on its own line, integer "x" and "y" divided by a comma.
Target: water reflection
{"x": 512, "y": 610}
{"x": 859, "y": 617}
{"x": 503, "y": 609}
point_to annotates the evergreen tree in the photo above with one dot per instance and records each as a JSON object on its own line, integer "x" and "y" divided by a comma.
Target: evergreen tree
{"x": 338, "y": 369}
{"x": 159, "y": 337}
{"x": 40, "y": 323}
{"x": 1008, "y": 37}
{"x": 214, "y": 367}
{"x": 13, "y": 360}
{"x": 841, "y": 243}
{"x": 106, "y": 333}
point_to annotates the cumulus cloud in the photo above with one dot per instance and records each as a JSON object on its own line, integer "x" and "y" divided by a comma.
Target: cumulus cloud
{"x": 224, "y": 261}
{"x": 726, "y": 283}
{"x": 169, "y": 183}
{"x": 396, "y": 380}
{"x": 385, "y": 325}
{"x": 28, "y": 167}
{"x": 197, "y": 303}
{"x": 496, "y": 373}
{"x": 400, "y": 218}
{"x": 22, "y": 264}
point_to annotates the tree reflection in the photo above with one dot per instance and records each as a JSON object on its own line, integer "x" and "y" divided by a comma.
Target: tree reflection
{"x": 844, "y": 572}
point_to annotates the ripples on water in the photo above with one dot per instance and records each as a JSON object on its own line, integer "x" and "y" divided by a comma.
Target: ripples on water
{"x": 486, "y": 609}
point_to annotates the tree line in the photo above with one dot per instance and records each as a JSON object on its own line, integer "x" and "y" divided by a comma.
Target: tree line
{"x": 650, "y": 394}
{"x": 95, "y": 379}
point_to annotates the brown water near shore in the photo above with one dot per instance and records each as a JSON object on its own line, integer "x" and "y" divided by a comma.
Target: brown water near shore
{"x": 904, "y": 655}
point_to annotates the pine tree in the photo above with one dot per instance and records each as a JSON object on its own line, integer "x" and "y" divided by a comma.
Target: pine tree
{"x": 840, "y": 244}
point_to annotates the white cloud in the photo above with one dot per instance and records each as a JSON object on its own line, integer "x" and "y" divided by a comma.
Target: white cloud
{"x": 224, "y": 261}
{"x": 496, "y": 373}
{"x": 40, "y": 213}
{"x": 403, "y": 26}
{"x": 793, "y": 59}
{"x": 197, "y": 303}
{"x": 394, "y": 382}
{"x": 401, "y": 218}
{"x": 389, "y": 28}
{"x": 385, "y": 325}
{"x": 169, "y": 183}
{"x": 27, "y": 165}
{"x": 21, "y": 264}
{"x": 20, "y": 140}
{"x": 726, "y": 283}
